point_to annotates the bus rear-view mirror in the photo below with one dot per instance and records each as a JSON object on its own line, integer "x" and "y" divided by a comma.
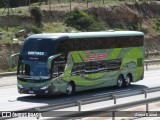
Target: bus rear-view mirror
{"x": 12, "y": 58}
{"x": 50, "y": 60}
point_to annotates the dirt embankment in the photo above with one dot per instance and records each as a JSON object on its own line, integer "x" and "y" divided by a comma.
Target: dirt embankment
{"x": 5, "y": 52}
{"x": 120, "y": 16}
{"x": 127, "y": 16}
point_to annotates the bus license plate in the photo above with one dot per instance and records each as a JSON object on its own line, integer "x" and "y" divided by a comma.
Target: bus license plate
{"x": 31, "y": 92}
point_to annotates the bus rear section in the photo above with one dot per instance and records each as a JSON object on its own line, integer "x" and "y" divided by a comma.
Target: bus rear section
{"x": 115, "y": 67}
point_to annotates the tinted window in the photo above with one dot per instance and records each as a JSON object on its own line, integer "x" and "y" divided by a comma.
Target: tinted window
{"x": 99, "y": 43}
{"x": 117, "y": 42}
{"x": 33, "y": 69}
{"x": 38, "y": 49}
{"x": 77, "y": 69}
{"x": 96, "y": 66}
{"x": 58, "y": 66}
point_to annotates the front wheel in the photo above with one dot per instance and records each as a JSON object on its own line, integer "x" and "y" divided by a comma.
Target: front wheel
{"x": 70, "y": 89}
{"x": 120, "y": 81}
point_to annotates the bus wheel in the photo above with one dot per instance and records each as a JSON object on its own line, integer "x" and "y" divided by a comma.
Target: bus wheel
{"x": 120, "y": 81}
{"x": 128, "y": 80}
{"x": 70, "y": 89}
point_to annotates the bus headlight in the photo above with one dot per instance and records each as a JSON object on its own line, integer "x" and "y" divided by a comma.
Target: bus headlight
{"x": 44, "y": 87}
{"x": 20, "y": 86}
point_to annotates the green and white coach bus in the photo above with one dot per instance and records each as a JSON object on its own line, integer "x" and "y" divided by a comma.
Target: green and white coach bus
{"x": 70, "y": 62}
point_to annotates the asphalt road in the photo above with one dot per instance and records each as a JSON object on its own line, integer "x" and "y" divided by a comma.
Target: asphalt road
{"x": 10, "y": 99}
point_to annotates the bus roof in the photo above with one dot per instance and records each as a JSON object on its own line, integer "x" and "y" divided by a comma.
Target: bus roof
{"x": 105, "y": 34}
{"x": 87, "y": 34}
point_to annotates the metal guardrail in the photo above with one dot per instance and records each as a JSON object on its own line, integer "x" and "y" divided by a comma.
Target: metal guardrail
{"x": 3, "y": 74}
{"x": 146, "y": 64}
{"x": 151, "y": 61}
{"x": 111, "y": 109}
{"x": 93, "y": 99}
{"x": 97, "y": 112}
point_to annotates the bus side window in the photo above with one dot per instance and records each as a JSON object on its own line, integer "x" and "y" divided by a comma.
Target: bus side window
{"x": 102, "y": 66}
{"x": 114, "y": 64}
{"x": 54, "y": 69}
{"x": 58, "y": 66}
{"x": 77, "y": 69}
{"x": 91, "y": 67}
{"x": 109, "y": 65}
{"x": 95, "y": 66}
{"x": 63, "y": 48}
{"x": 88, "y": 67}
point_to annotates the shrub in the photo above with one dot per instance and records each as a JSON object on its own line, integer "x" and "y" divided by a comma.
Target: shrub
{"x": 37, "y": 14}
{"x": 82, "y": 21}
{"x": 36, "y": 30}
{"x": 157, "y": 24}
{"x": 139, "y": 28}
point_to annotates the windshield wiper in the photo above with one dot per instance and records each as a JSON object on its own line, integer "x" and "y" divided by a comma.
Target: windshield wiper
{"x": 40, "y": 78}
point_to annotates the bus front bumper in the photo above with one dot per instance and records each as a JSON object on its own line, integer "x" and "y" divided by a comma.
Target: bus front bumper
{"x": 48, "y": 89}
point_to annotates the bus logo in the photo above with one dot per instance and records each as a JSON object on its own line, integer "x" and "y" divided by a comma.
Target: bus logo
{"x": 37, "y": 53}
{"x": 93, "y": 57}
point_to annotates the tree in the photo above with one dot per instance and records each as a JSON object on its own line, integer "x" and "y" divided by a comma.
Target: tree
{"x": 2, "y": 3}
{"x": 37, "y": 14}
{"x": 83, "y": 21}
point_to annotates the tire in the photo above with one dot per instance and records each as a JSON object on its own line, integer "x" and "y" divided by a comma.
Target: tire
{"x": 51, "y": 91}
{"x": 120, "y": 81}
{"x": 70, "y": 89}
{"x": 127, "y": 80}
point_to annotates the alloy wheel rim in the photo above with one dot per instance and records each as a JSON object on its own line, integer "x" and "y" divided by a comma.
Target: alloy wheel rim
{"x": 119, "y": 82}
{"x": 69, "y": 89}
{"x": 127, "y": 80}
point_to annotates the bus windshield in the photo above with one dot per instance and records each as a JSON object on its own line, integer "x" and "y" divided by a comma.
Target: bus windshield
{"x": 33, "y": 68}
{"x": 38, "y": 49}
{"x": 34, "y": 56}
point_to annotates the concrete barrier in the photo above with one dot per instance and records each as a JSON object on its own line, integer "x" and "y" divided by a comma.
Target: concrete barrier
{"x": 3, "y": 74}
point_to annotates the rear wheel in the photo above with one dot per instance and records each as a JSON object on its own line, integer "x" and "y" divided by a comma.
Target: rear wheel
{"x": 128, "y": 80}
{"x": 70, "y": 89}
{"x": 120, "y": 81}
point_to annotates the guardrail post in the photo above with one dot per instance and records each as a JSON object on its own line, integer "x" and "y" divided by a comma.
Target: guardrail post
{"x": 115, "y": 99}
{"x": 146, "y": 66}
{"x": 79, "y": 105}
{"x": 115, "y": 102}
{"x": 145, "y": 95}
